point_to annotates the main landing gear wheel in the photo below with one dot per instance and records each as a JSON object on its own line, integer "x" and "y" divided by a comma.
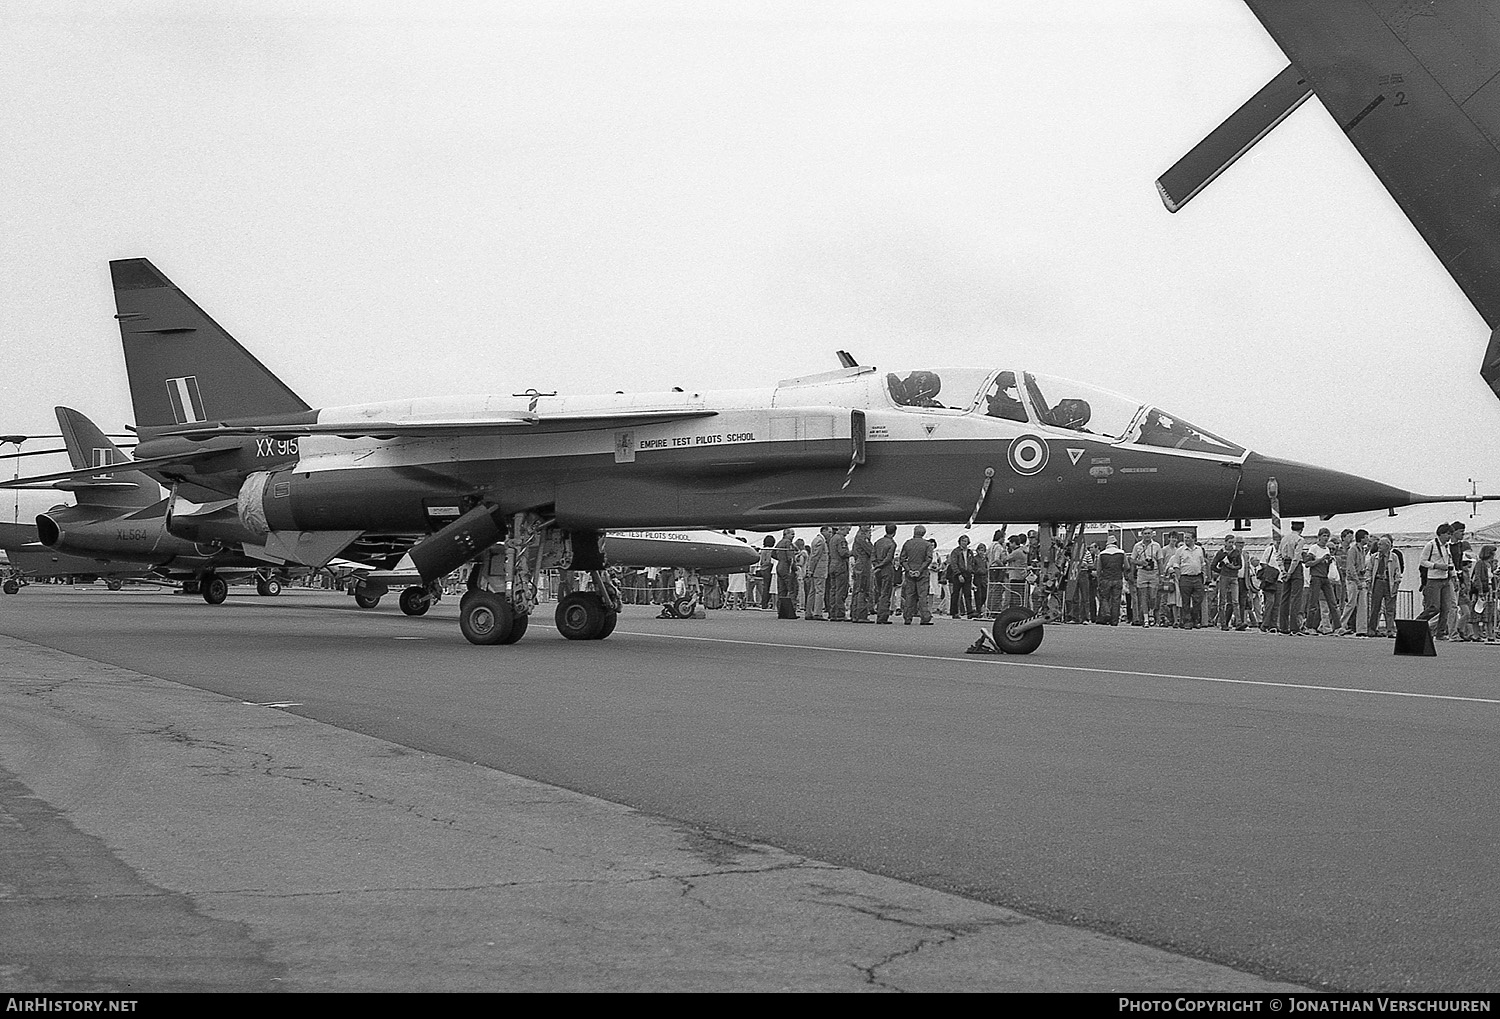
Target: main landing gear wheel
{"x": 1009, "y": 636}
{"x": 215, "y": 590}
{"x": 415, "y": 601}
{"x": 582, "y": 615}
{"x": 366, "y": 601}
{"x": 12, "y": 587}
{"x": 114, "y": 585}
{"x": 267, "y": 587}
{"x": 487, "y": 618}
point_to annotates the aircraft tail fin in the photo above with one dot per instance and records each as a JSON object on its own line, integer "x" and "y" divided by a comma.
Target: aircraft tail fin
{"x": 183, "y": 367}
{"x": 90, "y": 447}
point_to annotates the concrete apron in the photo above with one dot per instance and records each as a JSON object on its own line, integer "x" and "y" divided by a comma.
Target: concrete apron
{"x": 154, "y": 836}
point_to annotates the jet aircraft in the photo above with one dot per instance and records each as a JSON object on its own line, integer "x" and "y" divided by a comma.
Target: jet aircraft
{"x": 1416, "y": 87}
{"x": 515, "y": 483}
{"x": 117, "y": 525}
{"x": 121, "y": 527}
{"x": 28, "y": 559}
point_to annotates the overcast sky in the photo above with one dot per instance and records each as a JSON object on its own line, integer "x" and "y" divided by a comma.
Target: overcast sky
{"x": 402, "y": 199}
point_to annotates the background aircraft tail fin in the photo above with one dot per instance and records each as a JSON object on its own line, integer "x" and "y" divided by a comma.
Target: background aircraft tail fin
{"x": 90, "y": 447}
{"x": 183, "y": 367}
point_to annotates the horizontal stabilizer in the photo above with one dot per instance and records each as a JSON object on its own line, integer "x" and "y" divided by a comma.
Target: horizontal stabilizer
{"x": 310, "y": 548}
{"x": 1233, "y": 138}
{"x": 457, "y": 426}
{"x": 259, "y": 552}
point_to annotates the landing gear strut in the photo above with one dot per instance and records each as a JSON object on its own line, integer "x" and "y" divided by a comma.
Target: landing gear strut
{"x": 589, "y": 615}
{"x": 415, "y": 601}
{"x": 502, "y": 585}
{"x": 489, "y": 618}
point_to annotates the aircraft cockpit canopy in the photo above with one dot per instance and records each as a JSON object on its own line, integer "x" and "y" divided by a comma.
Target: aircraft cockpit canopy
{"x": 1054, "y": 402}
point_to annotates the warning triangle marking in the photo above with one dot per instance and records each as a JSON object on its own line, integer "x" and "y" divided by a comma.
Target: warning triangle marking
{"x": 1074, "y": 454}
{"x": 930, "y": 429}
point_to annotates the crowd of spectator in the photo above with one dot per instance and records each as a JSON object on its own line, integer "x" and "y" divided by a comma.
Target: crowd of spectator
{"x": 847, "y": 574}
{"x": 1344, "y": 585}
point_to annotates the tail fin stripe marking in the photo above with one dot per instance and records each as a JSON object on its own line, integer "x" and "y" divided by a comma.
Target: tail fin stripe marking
{"x": 187, "y": 402}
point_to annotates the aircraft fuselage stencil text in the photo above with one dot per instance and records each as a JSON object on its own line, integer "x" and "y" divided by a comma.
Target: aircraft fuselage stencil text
{"x": 678, "y": 441}
{"x": 276, "y": 447}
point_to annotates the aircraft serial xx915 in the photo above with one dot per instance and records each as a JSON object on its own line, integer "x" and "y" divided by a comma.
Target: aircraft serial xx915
{"x": 519, "y": 482}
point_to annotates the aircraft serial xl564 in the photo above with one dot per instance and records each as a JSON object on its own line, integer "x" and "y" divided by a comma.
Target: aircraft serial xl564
{"x": 518, "y": 482}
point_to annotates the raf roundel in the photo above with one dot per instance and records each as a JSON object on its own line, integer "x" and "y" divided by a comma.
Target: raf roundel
{"x": 1027, "y": 454}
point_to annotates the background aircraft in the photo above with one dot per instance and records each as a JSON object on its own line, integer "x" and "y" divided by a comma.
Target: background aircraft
{"x": 28, "y": 559}
{"x": 117, "y": 525}
{"x": 533, "y": 479}
{"x": 1416, "y": 88}
{"x": 117, "y": 529}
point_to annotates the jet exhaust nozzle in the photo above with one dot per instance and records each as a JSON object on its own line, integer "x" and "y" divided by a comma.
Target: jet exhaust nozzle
{"x": 48, "y": 531}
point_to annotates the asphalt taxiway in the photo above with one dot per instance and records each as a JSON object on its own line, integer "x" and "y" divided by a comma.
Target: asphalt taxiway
{"x": 351, "y": 798}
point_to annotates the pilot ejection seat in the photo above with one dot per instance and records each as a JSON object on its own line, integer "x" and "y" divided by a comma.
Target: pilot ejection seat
{"x": 920, "y": 389}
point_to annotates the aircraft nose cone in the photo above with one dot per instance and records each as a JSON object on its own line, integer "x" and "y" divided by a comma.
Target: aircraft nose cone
{"x": 1306, "y": 490}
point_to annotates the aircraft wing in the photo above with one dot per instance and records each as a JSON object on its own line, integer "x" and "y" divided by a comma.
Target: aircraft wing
{"x": 40, "y": 561}
{"x": 430, "y": 427}
{"x": 148, "y": 464}
{"x": 17, "y": 535}
{"x": 31, "y": 452}
{"x": 1416, "y": 87}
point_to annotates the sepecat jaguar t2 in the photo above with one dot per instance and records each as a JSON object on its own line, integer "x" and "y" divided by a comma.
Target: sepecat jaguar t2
{"x": 519, "y": 482}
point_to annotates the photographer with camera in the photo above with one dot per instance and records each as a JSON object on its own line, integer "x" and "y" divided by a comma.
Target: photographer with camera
{"x": 1145, "y": 555}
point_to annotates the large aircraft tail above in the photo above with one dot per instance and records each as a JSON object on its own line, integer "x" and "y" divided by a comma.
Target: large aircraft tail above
{"x": 183, "y": 367}
{"x": 1416, "y": 87}
{"x": 90, "y": 447}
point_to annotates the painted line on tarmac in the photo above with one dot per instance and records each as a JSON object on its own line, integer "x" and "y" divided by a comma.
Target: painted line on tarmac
{"x": 1000, "y": 660}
